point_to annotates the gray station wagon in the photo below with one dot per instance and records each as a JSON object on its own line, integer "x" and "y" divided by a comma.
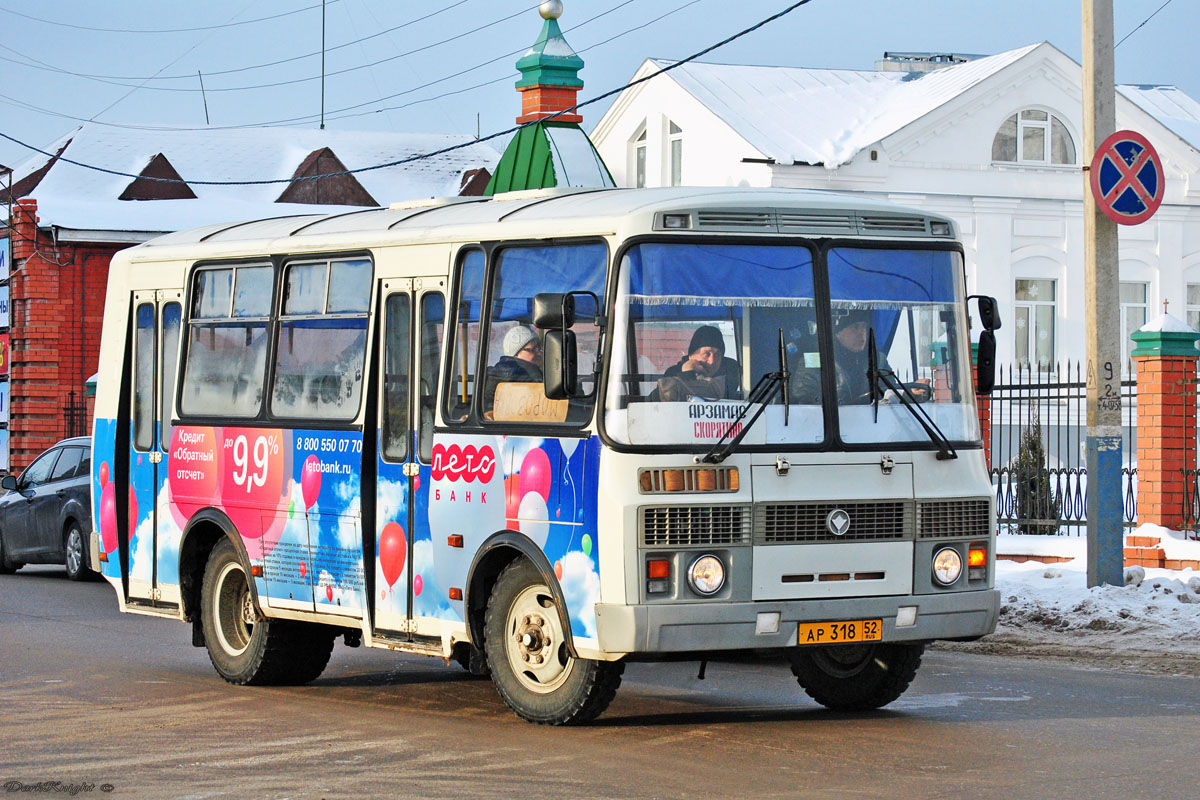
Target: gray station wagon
{"x": 47, "y": 511}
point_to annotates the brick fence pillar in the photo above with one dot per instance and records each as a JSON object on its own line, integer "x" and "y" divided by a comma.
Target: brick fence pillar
{"x": 1165, "y": 358}
{"x": 983, "y": 407}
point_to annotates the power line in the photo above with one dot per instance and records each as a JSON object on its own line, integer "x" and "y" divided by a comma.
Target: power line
{"x": 1139, "y": 27}
{"x": 38, "y": 64}
{"x": 340, "y": 111}
{"x": 161, "y": 30}
{"x": 444, "y": 150}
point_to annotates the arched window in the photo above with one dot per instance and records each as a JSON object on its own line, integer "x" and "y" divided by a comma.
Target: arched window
{"x": 1033, "y": 137}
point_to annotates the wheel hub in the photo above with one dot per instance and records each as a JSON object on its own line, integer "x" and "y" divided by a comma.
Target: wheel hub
{"x": 535, "y": 642}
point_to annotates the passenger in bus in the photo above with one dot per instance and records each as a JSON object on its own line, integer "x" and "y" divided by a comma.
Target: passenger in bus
{"x": 521, "y": 362}
{"x": 703, "y": 371}
{"x": 851, "y": 333}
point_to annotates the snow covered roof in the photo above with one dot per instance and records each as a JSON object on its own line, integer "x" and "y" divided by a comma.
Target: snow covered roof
{"x": 825, "y": 116}
{"x": 78, "y": 198}
{"x": 1174, "y": 109}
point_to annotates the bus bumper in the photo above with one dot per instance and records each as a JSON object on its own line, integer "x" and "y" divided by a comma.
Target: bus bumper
{"x": 706, "y": 627}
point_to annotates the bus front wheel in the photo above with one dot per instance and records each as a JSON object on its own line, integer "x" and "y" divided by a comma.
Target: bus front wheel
{"x": 246, "y": 648}
{"x": 856, "y": 677}
{"x": 531, "y": 664}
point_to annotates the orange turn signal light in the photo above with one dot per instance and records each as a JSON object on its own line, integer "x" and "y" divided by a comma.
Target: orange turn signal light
{"x": 977, "y": 557}
{"x": 455, "y": 540}
{"x": 455, "y": 594}
{"x": 658, "y": 569}
{"x": 256, "y": 571}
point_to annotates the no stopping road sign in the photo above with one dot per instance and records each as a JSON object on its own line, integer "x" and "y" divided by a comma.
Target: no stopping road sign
{"x": 1127, "y": 178}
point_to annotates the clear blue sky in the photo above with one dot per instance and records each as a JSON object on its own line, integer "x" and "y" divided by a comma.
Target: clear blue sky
{"x": 415, "y": 66}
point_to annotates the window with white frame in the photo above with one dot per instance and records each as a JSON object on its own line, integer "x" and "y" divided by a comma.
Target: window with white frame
{"x": 1034, "y": 317}
{"x": 675, "y": 147}
{"x": 1133, "y": 316}
{"x": 639, "y": 160}
{"x": 1033, "y": 136}
{"x": 1192, "y": 307}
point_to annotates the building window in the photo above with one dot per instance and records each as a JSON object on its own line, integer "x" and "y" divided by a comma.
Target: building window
{"x": 1034, "y": 323}
{"x": 1033, "y": 137}
{"x": 1193, "y": 306}
{"x": 1133, "y": 316}
{"x": 639, "y": 160}
{"x": 675, "y": 138}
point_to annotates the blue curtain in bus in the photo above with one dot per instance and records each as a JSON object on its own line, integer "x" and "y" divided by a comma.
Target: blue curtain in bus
{"x": 523, "y": 272}
{"x": 663, "y": 276}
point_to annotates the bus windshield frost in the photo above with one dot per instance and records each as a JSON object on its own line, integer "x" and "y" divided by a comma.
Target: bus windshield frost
{"x": 545, "y": 435}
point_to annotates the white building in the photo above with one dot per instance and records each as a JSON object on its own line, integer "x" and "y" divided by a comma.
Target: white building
{"x": 995, "y": 143}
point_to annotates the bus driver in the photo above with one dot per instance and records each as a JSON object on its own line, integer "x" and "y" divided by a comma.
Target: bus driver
{"x": 702, "y": 372}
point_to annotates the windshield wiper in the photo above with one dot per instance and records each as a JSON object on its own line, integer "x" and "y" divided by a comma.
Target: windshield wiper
{"x": 887, "y": 379}
{"x": 769, "y": 385}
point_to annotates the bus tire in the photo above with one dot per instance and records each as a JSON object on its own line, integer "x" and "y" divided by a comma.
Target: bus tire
{"x": 245, "y": 648}
{"x": 531, "y": 666}
{"x": 856, "y": 677}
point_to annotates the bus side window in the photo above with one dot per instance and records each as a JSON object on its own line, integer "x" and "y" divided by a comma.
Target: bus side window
{"x": 468, "y": 300}
{"x": 226, "y": 353}
{"x": 322, "y": 340}
{"x": 433, "y": 316}
{"x": 396, "y": 360}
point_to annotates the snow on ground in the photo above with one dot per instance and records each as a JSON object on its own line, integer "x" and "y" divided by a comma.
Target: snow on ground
{"x": 1152, "y": 623}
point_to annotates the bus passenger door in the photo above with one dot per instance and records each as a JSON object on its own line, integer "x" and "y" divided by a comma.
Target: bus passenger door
{"x": 413, "y": 318}
{"x": 153, "y": 534}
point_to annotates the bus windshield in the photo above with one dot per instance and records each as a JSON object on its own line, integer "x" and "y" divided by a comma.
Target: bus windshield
{"x": 696, "y": 326}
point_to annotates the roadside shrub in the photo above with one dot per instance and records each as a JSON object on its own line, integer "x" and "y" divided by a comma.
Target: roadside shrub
{"x": 1038, "y": 510}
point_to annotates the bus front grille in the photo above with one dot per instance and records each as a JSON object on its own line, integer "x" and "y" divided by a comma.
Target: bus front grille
{"x": 938, "y": 519}
{"x": 685, "y": 526}
{"x": 873, "y": 521}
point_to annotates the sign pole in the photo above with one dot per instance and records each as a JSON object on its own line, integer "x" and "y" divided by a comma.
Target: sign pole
{"x": 1105, "y": 529}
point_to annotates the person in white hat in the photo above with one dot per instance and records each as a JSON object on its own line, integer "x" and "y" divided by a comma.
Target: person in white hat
{"x": 521, "y": 361}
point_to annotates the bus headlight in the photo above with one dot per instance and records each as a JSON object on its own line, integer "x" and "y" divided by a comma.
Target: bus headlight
{"x": 706, "y": 575}
{"x": 947, "y": 566}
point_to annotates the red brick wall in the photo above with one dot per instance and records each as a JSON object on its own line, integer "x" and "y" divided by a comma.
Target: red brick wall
{"x": 1166, "y": 440}
{"x": 57, "y": 311}
{"x": 538, "y": 102}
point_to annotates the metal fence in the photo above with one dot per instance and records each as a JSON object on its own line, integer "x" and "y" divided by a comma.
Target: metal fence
{"x": 75, "y": 422}
{"x": 1038, "y": 453}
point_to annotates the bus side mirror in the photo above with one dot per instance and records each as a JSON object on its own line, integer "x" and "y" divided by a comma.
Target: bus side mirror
{"x": 985, "y": 367}
{"x": 553, "y": 310}
{"x": 560, "y": 370}
{"x": 989, "y": 312}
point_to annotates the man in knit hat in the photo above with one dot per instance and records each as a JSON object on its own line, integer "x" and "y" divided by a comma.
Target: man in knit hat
{"x": 703, "y": 371}
{"x": 521, "y": 361}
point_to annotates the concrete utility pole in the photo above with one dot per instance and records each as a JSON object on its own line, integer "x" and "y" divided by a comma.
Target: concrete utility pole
{"x": 1105, "y": 531}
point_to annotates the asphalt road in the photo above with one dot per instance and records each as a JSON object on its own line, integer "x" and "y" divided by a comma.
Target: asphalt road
{"x": 100, "y": 700}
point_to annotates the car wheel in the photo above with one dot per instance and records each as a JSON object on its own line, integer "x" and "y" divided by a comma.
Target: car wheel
{"x": 527, "y": 651}
{"x": 76, "y": 558}
{"x": 856, "y": 677}
{"x": 249, "y": 649}
{"x": 7, "y": 567}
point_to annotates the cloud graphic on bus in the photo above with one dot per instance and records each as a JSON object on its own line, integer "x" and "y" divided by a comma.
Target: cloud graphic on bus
{"x": 581, "y": 590}
{"x": 431, "y": 602}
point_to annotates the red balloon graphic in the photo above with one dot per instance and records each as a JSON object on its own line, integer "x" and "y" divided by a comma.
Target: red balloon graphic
{"x": 393, "y": 547}
{"x": 558, "y": 570}
{"x": 303, "y": 569}
{"x": 418, "y": 585}
{"x": 329, "y": 593}
{"x": 416, "y": 483}
{"x": 133, "y": 510}
{"x": 108, "y": 516}
{"x": 310, "y": 480}
{"x": 103, "y": 474}
{"x": 536, "y": 474}
{"x": 512, "y": 497}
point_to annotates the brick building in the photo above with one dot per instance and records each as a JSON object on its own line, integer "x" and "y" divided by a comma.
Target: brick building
{"x": 65, "y": 220}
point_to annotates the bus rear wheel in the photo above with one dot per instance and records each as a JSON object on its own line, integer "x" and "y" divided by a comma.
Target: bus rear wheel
{"x": 856, "y": 677}
{"x": 531, "y": 664}
{"x": 246, "y": 648}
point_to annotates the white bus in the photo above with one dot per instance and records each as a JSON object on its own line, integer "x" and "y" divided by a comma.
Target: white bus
{"x": 548, "y": 433}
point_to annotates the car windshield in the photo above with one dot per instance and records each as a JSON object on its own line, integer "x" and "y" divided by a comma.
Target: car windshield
{"x": 696, "y": 326}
